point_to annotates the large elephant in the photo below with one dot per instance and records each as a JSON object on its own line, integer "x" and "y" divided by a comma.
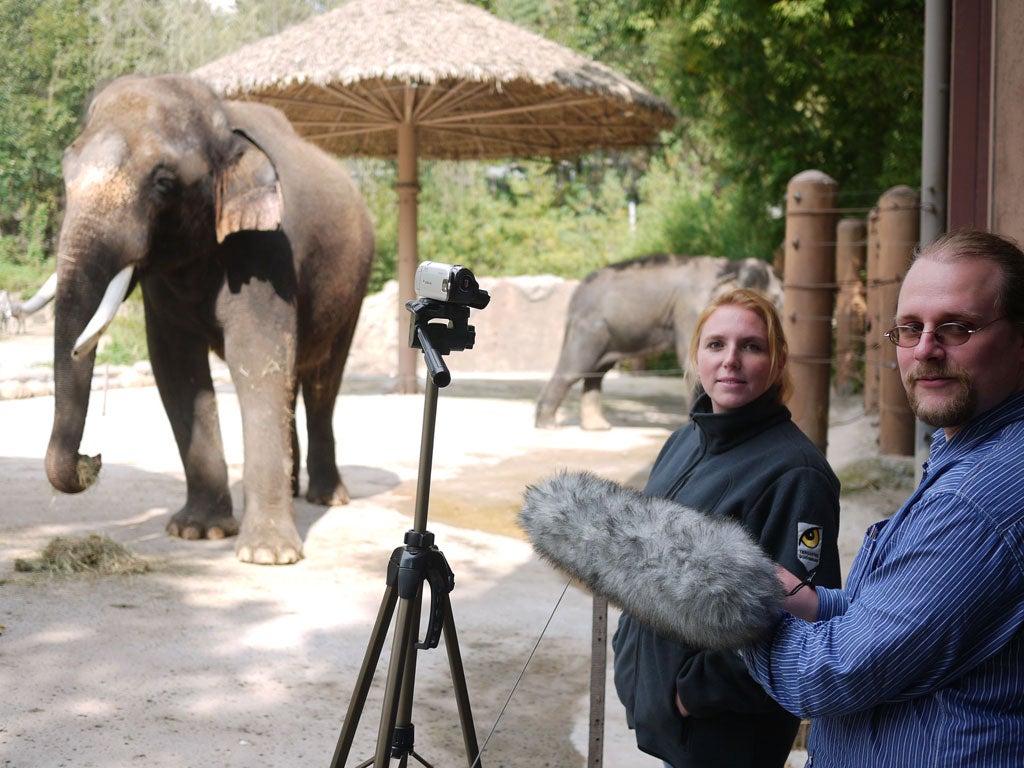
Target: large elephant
{"x": 244, "y": 239}
{"x": 635, "y": 308}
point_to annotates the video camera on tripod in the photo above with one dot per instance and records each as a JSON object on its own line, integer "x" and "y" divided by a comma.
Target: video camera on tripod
{"x": 451, "y": 283}
{"x": 447, "y": 292}
{"x": 439, "y": 326}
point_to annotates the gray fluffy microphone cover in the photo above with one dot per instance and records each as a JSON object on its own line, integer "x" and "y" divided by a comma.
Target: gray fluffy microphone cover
{"x": 699, "y": 579}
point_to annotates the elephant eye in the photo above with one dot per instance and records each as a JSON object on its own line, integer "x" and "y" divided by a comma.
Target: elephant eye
{"x": 163, "y": 183}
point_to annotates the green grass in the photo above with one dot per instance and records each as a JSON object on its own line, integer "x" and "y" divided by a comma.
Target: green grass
{"x": 126, "y": 342}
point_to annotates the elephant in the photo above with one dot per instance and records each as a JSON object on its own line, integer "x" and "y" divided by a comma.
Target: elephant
{"x": 245, "y": 240}
{"x": 638, "y": 307}
{"x": 6, "y": 310}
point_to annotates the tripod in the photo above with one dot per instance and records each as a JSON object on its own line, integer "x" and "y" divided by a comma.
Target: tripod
{"x": 411, "y": 565}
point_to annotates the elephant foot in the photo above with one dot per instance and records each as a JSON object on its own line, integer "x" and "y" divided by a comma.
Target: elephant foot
{"x": 185, "y": 524}
{"x": 545, "y": 420}
{"x": 327, "y": 494}
{"x": 591, "y": 414}
{"x": 594, "y": 422}
{"x": 268, "y": 541}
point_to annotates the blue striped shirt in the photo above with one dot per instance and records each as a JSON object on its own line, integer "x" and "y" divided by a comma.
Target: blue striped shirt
{"x": 919, "y": 661}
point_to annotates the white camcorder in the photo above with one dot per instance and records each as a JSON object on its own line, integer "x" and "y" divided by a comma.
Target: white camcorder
{"x": 452, "y": 283}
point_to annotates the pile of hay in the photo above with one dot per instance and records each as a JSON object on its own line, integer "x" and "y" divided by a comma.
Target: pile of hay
{"x": 93, "y": 554}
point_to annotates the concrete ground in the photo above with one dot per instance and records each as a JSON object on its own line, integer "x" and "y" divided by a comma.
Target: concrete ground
{"x": 205, "y": 661}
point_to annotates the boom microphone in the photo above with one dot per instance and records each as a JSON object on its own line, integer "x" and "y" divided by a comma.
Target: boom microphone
{"x": 690, "y": 576}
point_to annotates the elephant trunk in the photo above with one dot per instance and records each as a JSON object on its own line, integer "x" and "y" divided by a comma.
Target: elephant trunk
{"x": 68, "y": 470}
{"x": 74, "y": 354}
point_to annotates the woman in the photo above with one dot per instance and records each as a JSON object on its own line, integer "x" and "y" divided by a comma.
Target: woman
{"x": 740, "y": 456}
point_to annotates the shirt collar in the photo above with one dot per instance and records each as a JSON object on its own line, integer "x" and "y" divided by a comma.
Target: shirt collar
{"x": 977, "y": 429}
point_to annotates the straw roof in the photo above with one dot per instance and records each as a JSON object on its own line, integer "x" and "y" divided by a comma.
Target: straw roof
{"x": 474, "y": 86}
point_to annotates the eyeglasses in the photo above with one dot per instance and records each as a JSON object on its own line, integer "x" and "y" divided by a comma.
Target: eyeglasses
{"x": 947, "y": 334}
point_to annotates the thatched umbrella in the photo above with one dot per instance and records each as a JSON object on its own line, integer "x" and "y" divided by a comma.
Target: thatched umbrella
{"x": 435, "y": 79}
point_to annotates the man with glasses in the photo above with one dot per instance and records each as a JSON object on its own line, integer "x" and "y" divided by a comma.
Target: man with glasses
{"x": 919, "y": 660}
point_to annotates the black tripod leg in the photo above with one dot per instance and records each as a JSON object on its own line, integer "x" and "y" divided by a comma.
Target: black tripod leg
{"x": 365, "y": 679}
{"x": 401, "y": 647}
{"x": 451, "y": 643}
{"x": 404, "y": 737}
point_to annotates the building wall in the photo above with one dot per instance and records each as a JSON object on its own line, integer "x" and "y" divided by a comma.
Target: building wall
{"x": 1007, "y": 156}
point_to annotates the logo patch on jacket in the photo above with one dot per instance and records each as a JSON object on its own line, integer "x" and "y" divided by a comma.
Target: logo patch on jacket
{"x": 808, "y": 545}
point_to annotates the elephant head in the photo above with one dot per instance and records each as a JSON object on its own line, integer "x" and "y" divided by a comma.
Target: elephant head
{"x": 156, "y": 179}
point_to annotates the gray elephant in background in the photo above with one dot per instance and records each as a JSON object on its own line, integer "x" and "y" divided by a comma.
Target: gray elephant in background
{"x": 245, "y": 240}
{"x": 637, "y": 308}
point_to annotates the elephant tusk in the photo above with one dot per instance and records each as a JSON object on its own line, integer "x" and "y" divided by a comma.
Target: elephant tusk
{"x": 42, "y": 297}
{"x": 116, "y": 291}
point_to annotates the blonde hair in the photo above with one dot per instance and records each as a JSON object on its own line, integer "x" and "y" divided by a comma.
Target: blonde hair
{"x": 778, "y": 349}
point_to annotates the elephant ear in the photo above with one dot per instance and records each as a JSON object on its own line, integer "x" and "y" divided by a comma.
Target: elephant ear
{"x": 248, "y": 191}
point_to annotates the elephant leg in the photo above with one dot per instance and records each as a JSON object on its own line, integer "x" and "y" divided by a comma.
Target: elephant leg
{"x": 591, "y": 416}
{"x": 586, "y": 354}
{"x": 552, "y": 396}
{"x": 259, "y": 348}
{"x": 578, "y": 358}
{"x": 182, "y": 372}
{"x": 319, "y": 394}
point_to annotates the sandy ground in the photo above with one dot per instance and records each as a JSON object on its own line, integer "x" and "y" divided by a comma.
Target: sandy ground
{"x": 204, "y": 661}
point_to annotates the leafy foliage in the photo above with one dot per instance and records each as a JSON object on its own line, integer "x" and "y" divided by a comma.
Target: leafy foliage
{"x": 124, "y": 341}
{"x": 763, "y": 90}
{"x": 46, "y": 77}
{"x": 502, "y": 219}
{"x": 786, "y": 86}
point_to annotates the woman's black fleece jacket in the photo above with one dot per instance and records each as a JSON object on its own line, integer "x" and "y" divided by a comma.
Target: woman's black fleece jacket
{"x": 756, "y": 466}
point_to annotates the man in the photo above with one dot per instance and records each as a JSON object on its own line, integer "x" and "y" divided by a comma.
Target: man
{"x": 919, "y": 661}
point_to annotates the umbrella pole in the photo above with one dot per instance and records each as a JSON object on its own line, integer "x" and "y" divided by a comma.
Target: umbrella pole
{"x": 408, "y": 258}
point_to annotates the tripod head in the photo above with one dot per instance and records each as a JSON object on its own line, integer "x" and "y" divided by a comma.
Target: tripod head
{"x": 447, "y": 293}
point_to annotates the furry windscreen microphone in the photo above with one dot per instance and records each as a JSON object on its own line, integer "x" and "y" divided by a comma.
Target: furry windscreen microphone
{"x": 697, "y": 578}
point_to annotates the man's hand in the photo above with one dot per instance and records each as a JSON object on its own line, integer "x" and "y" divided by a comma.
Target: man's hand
{"x": 802, "y": 600}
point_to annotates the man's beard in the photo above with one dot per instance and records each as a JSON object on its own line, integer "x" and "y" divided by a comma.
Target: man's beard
{"x": 952, "y": 412}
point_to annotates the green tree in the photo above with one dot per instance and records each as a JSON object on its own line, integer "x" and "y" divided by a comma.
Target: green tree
{"x": 763, "y": 90}
{"x": 160, "y": 36}
{"x": 46, "y": 76}
{"x": 781, "y": 87}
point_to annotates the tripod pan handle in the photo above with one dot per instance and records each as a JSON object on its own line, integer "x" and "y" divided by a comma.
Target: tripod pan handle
{"x": 438, "y": 371}
{"x": 441, "y": 581}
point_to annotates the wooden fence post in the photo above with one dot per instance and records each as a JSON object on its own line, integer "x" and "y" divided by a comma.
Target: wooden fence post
{"x": 898, "y": 234}
{"x": 851, "y": 246}
{"x": 809, "y": 297}
{"x": 874, "y": 325}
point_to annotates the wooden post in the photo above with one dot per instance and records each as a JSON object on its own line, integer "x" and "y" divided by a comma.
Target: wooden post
{"x": 898, "y": 233}
{"x": 598, "y": 663}
{"x": 406, "y": 381}
{"x": 874, "y": 326}
{"x": 851, "y": 247}
{"x": 809, "y": 298}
